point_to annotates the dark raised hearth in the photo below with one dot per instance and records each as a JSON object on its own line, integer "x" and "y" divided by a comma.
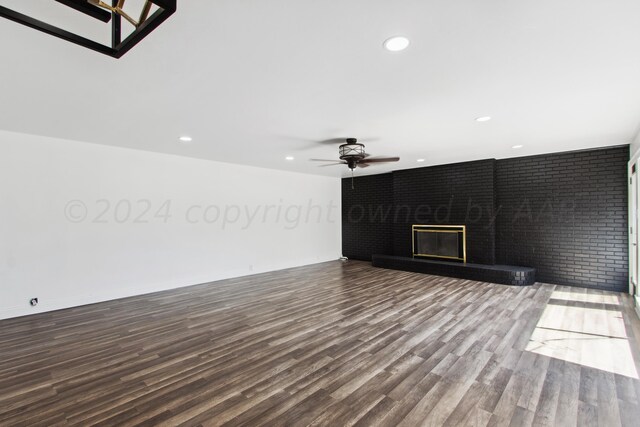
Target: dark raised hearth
{"x": 503, "y": 274}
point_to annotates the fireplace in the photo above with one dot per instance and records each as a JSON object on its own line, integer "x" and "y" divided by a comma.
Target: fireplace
{"x": 444, "y": 242}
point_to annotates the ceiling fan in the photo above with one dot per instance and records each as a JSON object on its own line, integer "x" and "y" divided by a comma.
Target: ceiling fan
{"x": 353, "y": 155}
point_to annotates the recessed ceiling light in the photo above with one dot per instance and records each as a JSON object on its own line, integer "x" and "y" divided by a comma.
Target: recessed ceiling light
{"x": 396, "y": 44}
{"x": 483, "y": 119}
{"x": 420, "y": 160}
{"x": 289, "y": 158}
{"x": 186, "y": 138}
{"x": 516, "y": 147}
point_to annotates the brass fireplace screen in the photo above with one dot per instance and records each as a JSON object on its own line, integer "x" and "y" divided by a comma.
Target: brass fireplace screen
{"x": 448, "y": 242}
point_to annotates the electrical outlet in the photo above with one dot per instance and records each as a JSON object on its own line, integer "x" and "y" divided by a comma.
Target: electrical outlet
{"x": 33, "y": 302}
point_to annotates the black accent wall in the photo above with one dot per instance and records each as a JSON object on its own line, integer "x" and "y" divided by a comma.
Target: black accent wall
{"x": 564, "y": 214}
{"x": 442, "y": 195}
{"x": 367, "y": 218}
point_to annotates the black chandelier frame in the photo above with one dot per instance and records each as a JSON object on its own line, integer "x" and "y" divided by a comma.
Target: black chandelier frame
{"x": 118, "y": 47}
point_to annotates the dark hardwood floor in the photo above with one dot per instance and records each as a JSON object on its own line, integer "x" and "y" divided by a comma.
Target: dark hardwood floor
{"x": 332, "y": 344}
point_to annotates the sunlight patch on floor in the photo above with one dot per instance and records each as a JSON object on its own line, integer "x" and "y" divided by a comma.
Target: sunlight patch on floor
{"x": 572, "y": 329}
{"x": 586, "y": 297}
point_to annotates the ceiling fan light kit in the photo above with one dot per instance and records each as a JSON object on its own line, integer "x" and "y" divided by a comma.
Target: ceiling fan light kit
{"x": 103, "y": 12}
{"x": 352, "y": 152}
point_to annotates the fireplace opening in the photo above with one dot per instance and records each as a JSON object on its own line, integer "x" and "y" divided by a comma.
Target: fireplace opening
{"x": 440, "y": 242}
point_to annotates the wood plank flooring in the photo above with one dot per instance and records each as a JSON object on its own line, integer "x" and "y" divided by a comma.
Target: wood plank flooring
{"x": 336, "y": 344}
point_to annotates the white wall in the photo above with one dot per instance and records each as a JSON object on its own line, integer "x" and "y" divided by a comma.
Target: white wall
{"x": 55, "y": 245}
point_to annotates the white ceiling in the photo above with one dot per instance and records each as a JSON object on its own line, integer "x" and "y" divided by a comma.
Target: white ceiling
{"x": 255, "y": 81}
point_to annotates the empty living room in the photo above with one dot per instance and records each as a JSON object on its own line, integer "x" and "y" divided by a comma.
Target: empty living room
{"x": 319, "y": 213}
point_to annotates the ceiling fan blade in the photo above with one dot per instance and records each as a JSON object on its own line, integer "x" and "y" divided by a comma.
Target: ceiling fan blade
{"x": 322, "y": 160}
{"x": 362, "y": 165}
{"x": 380, "y": 160}
{"x": 332, "y": 164}
{"x": 332, "y": 141}
{"x": 343, "y": 140}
